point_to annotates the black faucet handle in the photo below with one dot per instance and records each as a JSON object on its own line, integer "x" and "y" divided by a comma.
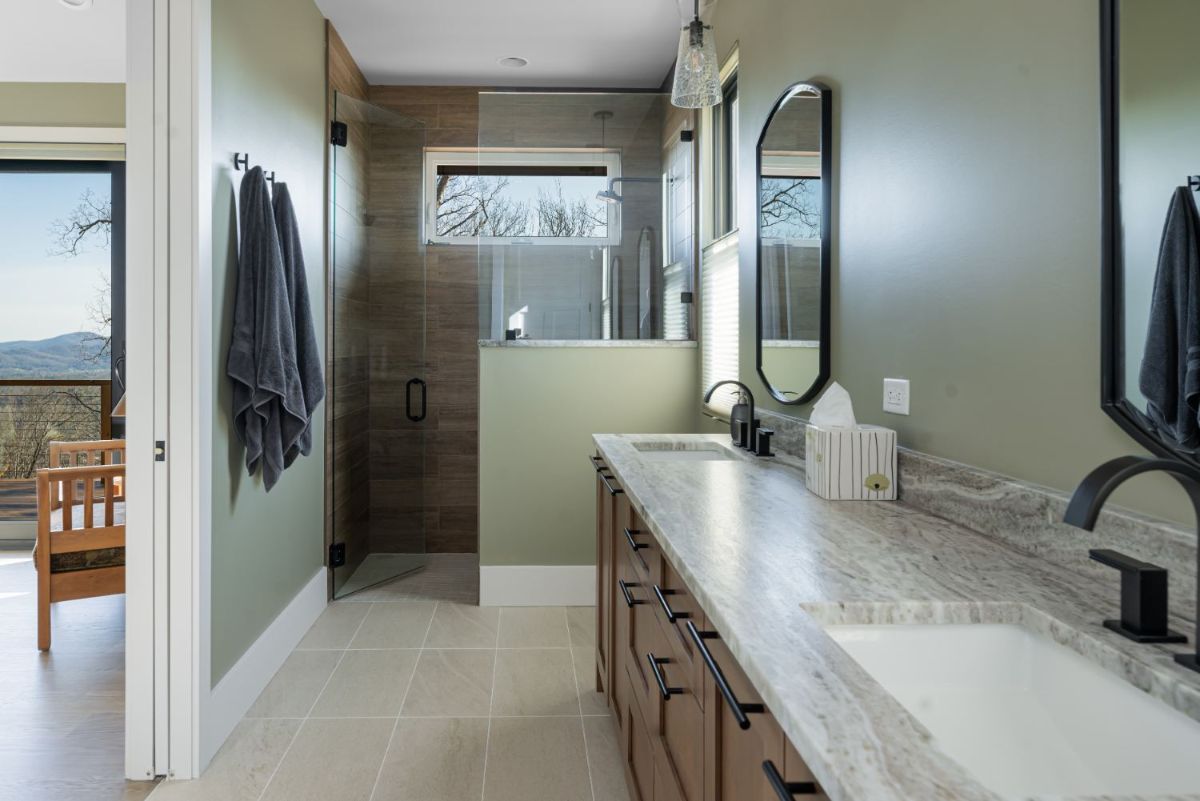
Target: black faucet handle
{"x": 762, "y": 443}
{"x": 1143, "y": 598}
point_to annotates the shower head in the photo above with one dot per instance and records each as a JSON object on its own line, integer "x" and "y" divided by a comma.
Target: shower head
{"x": 610, "y": 196}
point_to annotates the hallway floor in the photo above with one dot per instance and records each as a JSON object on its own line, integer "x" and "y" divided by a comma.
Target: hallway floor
{"x": 63, "y": 712}
{"x": 425, "y": 700}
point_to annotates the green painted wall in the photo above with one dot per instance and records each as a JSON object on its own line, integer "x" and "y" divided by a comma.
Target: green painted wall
{"x": 268, "y": 99}
{"x": 966, "y": 220}
{"x": 538, "y": 409}
{"x": 101, "y": 105}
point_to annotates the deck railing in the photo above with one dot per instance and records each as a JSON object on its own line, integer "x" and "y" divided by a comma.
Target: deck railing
{"x": 33, "y": 412}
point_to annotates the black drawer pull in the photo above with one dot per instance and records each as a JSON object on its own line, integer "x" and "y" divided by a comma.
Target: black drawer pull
{"x": 597, "y": 463}
{"x": 666, "y": 691}
{"x": 634, "y": 544}
{"x": 630, "y": 601}
{"x": 611, "y": 489}
{"x": 739, "y": 710}
{"x": 786, "y": 790}
{"x": 671, "y": 614}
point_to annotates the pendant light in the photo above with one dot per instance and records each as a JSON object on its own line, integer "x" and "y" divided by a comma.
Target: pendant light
{"x": 697, "y": 78}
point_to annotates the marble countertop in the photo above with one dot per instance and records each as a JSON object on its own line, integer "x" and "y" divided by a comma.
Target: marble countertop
{"x": 587, "y": 343}
{"x": 771, "y": 563}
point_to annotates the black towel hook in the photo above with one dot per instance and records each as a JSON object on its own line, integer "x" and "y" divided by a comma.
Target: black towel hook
{"x": 241, "y": 161}
{"x": 1194, "y": 183}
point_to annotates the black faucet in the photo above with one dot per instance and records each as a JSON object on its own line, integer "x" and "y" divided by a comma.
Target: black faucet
{"x": 1085, "y": 507}
{"x": 754, "y": 439}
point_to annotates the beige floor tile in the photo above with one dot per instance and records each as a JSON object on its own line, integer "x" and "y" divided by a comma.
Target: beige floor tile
{"x": 367, "y": 684}
{"x": 335, "y": 627}
{"x": 243, "y": 766}
{"x": 532, "y": 681}
{"x": 581, "y": 620}
{"x": 295, "y": 687}
{"x": 604, "y": 759}
{"x": 332, "y": 759}
{"x": 463, "y": 626}
{"x": 590, "y": 701}
{"x": 402, "y": 624}
{"x": 434, "y": 760}
{"x": 533, "y": 627}
{"x": 455, "y": 682}
{"x": 536, "y": 758}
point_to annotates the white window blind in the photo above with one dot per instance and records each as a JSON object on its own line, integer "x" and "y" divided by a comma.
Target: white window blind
{"x": 719, "y": 326}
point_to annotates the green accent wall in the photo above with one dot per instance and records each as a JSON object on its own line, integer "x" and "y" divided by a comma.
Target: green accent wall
{"x": 966, "y": 218}
{"x": 538, "y": 410}
{"x": 268, "y": 99}
{"x": 99, "y": 105}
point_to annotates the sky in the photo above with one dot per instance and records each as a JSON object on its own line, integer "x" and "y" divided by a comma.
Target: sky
{"x": 41, "y": 295}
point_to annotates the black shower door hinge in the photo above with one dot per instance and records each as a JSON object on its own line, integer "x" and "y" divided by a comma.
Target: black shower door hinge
{"x": 339, "y": 133}
{"x": 160, "y": 450}
{"x": 337, "y": 554}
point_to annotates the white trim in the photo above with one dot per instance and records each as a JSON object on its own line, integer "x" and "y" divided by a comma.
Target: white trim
{"x": 229, "y": 701}
{"x": 537, "y": 585}
{"x": 65, "y": 134}
{"x": 519, "y": 157}
{"x": 144, "y": 551}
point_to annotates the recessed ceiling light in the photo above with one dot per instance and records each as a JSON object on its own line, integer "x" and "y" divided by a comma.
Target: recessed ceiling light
{"x": 512, "y": 61}
{"x": 77, "y": 5}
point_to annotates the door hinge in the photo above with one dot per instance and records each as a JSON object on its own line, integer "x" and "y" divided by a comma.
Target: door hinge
{"x": 339, "y": 133}
{"x": 337, "y": 554}
{"x": 160, "y": 450}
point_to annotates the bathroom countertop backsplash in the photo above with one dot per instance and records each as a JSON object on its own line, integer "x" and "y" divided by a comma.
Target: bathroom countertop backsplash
{"x": 771, "y": 563}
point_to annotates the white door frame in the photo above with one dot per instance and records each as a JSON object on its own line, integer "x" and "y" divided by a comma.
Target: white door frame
{"x": 169, "y": 366}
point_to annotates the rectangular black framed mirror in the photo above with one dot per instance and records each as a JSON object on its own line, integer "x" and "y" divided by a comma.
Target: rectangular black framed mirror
{"x": 1150, "y": 141}
{"x": 794, "y": 185}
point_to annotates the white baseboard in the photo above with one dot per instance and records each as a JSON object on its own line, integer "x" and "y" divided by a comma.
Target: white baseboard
{"x": 236, "y": 692}
{"x": 537, "y": 585}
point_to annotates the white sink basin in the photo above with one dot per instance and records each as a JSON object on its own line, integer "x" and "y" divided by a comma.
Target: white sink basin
{"x": 661, "y": 451}
{"x": 1027, "y": 716}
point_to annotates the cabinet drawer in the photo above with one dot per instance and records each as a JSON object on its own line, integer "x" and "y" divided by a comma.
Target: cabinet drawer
{"x": 640, "y": 548}
{"x": 682, "y": 738}
{"x": 795, "y": 772}
{"x": 675, "y": 606}
{"x": 738, "y": 739}
{"x": 646, "y": 637}
{"x": 639, "y": 750}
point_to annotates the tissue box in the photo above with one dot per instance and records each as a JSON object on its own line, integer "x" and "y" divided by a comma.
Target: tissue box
{"x": 850, "y": 464}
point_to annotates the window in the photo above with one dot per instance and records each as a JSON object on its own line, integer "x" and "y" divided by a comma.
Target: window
{"x": 724, "y": 152}
{"x": 549, "y": 196}
{"x": 719, "y": 333}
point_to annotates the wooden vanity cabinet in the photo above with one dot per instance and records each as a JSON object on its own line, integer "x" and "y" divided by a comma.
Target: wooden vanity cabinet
{"x": 681, "y": 737}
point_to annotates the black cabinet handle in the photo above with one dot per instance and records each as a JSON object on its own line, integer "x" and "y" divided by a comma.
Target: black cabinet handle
{"x": 634, "y": 544}
{"x": 597, "y": 463}
{"x": 786, "y": 791}
{"x": 408, "y": 412}
{"x": 611, "y": 489}
{"x": 739, "y": 710}
{"x": 630, "y": 601}
{"x": 671, "y": 614}
{"x": 666, "y": 691}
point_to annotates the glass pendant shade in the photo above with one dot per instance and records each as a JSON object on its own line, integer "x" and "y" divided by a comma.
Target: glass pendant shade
{"x": 697, "y": 77}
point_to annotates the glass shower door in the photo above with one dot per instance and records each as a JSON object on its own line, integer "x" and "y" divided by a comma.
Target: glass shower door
{"x": 378, "y": 340}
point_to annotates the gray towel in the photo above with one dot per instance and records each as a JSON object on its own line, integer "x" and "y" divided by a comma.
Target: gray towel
{"x": 308, "y": 357}
{"x": 1170, "y": 373}
{"x": 268, "y": 402}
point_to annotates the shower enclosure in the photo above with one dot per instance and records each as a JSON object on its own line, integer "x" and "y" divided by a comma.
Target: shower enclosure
{"x": 377, "y": 298}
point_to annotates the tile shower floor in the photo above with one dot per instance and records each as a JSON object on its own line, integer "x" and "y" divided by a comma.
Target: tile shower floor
{"x": 422, "y": 700}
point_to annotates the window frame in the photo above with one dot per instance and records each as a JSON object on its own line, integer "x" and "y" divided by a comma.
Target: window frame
{"x": 115, "y": 168}
{"x": 724, "y": 155}
{"x": 607, "y": 158}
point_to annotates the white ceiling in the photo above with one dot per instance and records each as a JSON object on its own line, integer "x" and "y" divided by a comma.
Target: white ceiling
{"x": 43, "y": 40}
{"x": 568, "y": 43}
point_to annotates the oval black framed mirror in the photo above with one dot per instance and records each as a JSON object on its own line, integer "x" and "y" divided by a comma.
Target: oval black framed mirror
{"x": 1150, "y": 106}
{"x": 794, "y": 183}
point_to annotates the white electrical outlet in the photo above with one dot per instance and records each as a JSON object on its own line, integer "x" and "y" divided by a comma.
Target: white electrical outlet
{"x": 895, "y": 395}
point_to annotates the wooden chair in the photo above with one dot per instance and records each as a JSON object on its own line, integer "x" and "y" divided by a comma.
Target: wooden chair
{"x": 80, "y": 550}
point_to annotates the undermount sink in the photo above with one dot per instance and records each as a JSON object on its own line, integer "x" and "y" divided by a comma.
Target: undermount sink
{"x": 1027, "y": 716}
{"x": 682, "y": 452}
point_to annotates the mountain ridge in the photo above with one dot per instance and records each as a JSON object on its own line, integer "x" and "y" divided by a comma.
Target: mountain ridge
{"x": 62, "y": 356}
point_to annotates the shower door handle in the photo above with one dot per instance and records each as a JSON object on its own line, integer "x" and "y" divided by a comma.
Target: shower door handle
{"x": 408, "y": 399}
